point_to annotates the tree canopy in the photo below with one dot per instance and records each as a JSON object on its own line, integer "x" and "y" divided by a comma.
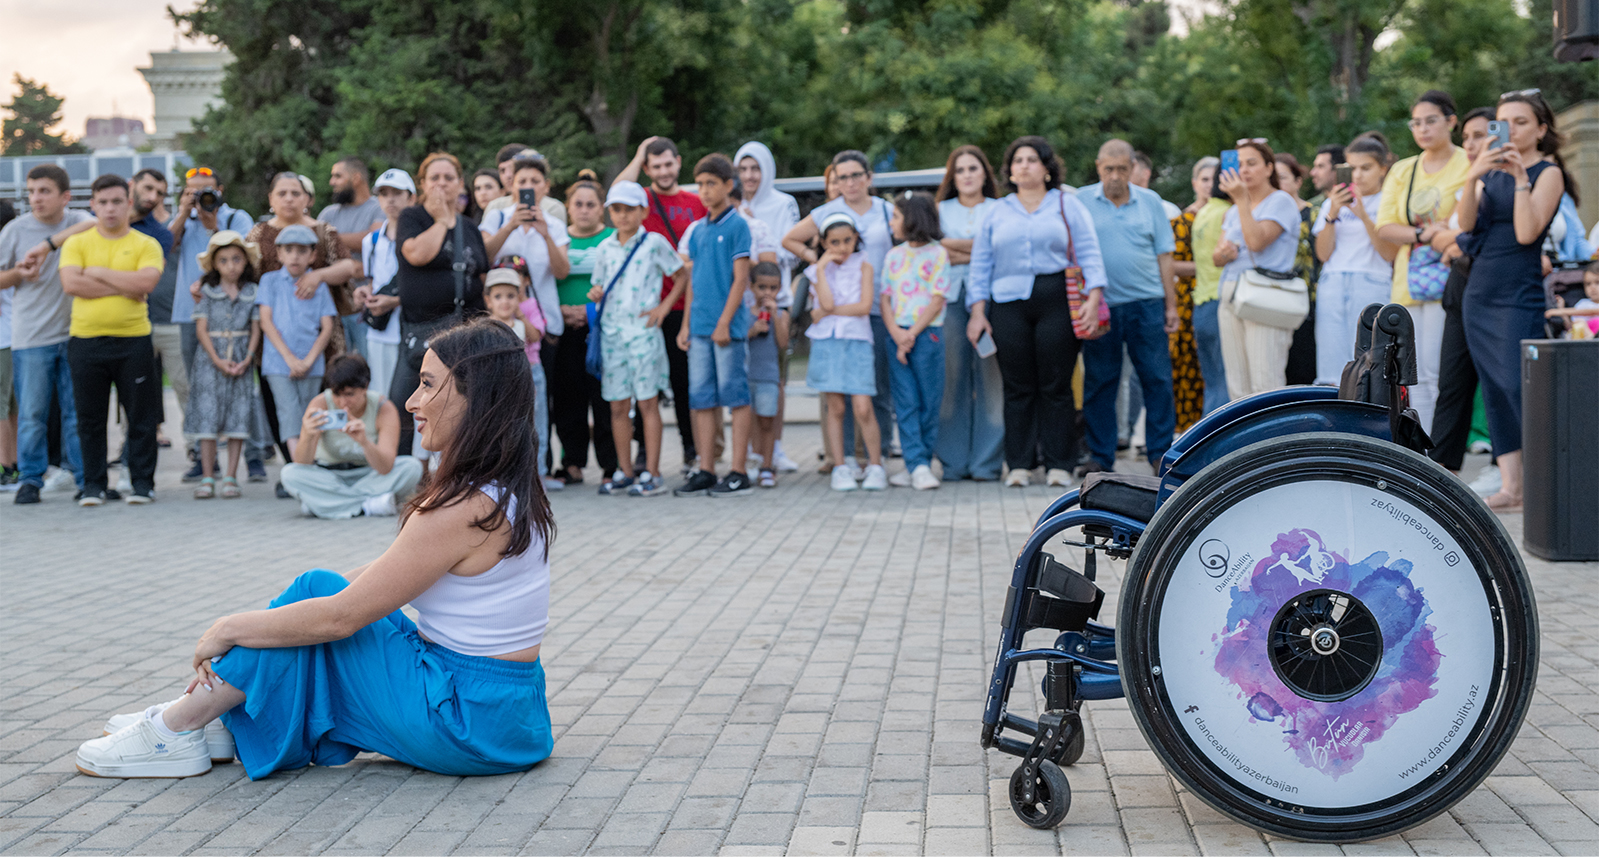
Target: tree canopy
{"x": 904, "y": 80}
{"x": 34, "y": 111}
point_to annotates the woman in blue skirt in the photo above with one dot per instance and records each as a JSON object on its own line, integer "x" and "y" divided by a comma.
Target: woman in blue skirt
{"x": 333, "y": 668}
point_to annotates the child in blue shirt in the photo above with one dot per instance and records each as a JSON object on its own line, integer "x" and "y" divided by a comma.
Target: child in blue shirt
{"x": 298, "y": 330}
{"x": 715, "y": 334}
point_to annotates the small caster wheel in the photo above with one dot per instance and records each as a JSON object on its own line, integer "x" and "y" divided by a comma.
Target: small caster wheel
{"x": 1052, "y": 795}
{"x": 1071, "y": 750}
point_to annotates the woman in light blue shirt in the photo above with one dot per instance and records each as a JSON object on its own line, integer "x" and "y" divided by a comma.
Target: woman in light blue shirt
{"x": 1019, "y": 261}
{"x": 1261, "y": 231}
{"x": 971, "y": 433}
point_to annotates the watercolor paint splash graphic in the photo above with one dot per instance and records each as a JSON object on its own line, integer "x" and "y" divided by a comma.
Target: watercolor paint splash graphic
{"x": 1329, "y": 737}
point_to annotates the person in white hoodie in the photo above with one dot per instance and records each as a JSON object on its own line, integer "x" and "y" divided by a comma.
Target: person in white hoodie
{"x": 757, "y": 171}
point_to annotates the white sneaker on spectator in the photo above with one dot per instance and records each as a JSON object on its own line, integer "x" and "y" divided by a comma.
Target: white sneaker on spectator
{"x": 855, "y": 468}
{"x": 381, "y": 505}
{"x": 125, "y": 484}
{"x": 922, "y": 478}
{"x": 781, "y": 460}
{"x": 875, "y": 479}
{"x": 843, "y": 479}
{"x": 60, "y": 479}
{"x": 218, "y": 741}
{"x": 1059, "y": 477}
{"x": 1488, "y": 481}
{"x": 754, "y": 459}
{"x": 900, "y": 479}
{"x": 138, "y": 751}
{"x": 1019, "y": 478}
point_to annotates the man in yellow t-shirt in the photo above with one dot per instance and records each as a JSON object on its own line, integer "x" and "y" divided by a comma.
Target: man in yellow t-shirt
{"x": 109, "y": 271}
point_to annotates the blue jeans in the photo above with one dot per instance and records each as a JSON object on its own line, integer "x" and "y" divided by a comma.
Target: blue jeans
{"x": 1340, "y": 296}
{"x": 1212, "y": 367}
{"x": 42, "y": 373}
{"x": 1141, "y": 327}
{"x": 918, "y": 388}
{"x": 883, "y": 401}
{"x": 718, "y": 376}
{"x": 355, "y": 334}
{"x": 971, "y": 430}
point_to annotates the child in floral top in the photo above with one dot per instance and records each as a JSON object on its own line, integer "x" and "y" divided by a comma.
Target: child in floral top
{"x": 915, "y": 283}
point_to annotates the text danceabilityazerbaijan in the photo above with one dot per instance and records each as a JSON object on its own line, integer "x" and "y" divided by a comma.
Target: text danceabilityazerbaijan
{"x": 1240, "y": 765}
{"x": 1406, "y": 518}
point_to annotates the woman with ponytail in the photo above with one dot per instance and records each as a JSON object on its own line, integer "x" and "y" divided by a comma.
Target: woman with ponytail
{"x": 1511, "y": 195}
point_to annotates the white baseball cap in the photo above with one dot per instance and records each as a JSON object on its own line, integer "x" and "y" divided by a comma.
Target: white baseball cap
{"x": 396, "y": 179}
{"x": 502, "y": 277}
{"x": 626, "y": 194}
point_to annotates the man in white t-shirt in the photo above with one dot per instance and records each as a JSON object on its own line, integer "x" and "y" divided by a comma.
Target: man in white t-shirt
{"x": 508, "y": 157}
{"x": 394, "y": 190}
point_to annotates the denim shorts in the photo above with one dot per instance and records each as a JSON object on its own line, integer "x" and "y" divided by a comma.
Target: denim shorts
{"x": 840, "y": 365}
{"x": 718, "y": 376}
{"x": 763, "y": 398}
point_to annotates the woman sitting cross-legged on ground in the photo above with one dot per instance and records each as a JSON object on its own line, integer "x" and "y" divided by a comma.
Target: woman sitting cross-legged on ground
{"x": 334, "y": 668}
{"x": 345, "y": 463}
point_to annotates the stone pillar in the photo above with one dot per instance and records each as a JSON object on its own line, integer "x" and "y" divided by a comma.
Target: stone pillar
{"x": 1580, "y": 125}
{"x": 184, "y": 84}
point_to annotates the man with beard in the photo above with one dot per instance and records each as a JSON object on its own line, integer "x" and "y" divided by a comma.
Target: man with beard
{"x": 354, "y": 213}
{"x": 150, "y": 217}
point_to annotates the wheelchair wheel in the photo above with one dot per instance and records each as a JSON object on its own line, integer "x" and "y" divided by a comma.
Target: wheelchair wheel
{"x": 1327, "y": 637}
{"x": 1052, "y": 795}
{"x": 1071, "y": 750}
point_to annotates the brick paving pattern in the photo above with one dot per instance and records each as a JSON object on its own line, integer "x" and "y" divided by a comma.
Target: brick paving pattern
{"x": 799, "y": 672}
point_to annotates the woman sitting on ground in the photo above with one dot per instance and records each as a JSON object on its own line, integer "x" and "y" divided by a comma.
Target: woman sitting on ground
{"x": 334, "y": 668}
{"x": 345, "y": 463}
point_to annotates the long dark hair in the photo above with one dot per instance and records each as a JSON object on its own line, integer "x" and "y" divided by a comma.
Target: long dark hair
{"x": 1549, "y": 143}
{"x": 495, "y": 442}
{"x": 946, "y": 188}
{"x": 1046, "y": 154}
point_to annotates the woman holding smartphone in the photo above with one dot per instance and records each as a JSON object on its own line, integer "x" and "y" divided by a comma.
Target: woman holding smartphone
{"x": 526, "y": 231}
{"x": 1511, "y": 194}
{"x": 1357, "y": 267}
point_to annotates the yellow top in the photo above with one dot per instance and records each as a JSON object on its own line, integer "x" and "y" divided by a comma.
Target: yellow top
{"x": 1207, "y": 234}
{"x": 1430, "y": 200}
{"x": 114, "y": 315}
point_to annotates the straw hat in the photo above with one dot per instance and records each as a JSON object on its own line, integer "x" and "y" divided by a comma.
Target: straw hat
{"x": 228, "y": 238}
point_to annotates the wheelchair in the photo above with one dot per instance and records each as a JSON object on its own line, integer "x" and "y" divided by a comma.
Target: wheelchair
{"x": 1321, "y": 633}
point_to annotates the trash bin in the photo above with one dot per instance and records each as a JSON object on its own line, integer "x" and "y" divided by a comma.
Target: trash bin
{"x": 1560, "y": 448}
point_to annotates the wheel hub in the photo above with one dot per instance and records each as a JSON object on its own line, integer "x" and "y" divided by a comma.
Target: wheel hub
{"x": 1325, "y": 645}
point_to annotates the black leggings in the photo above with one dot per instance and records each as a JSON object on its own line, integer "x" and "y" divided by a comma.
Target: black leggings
{"x": 677, "y": 369}
{"x": 1037, "y": 353}
{"x": 576, "y": 395}
{"x": 1457, "y": 393}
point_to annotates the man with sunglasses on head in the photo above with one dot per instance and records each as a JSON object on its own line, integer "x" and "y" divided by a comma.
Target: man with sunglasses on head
{"x": 201, "y": 214}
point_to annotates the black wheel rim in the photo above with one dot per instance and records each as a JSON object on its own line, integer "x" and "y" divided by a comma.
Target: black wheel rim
{"x": 1326, "y": 645}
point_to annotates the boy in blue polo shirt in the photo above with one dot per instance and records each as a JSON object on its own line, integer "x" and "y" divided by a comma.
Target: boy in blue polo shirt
{"x": 717, "y": 326}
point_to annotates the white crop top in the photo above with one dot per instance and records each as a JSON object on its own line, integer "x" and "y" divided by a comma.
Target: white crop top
{"x": 499, "y": 611}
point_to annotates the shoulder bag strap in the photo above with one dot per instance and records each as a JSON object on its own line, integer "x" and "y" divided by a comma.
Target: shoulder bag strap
{"x": 660, "y": 209}
{"x": 458, "y": 263}
{"x": 618, "y": 275}
{"x": 1414, "y": 168}
{"x": 1071, "y": 251}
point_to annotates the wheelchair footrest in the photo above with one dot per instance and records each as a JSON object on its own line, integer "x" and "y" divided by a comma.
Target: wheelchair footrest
{"x": 1061, "y": 599}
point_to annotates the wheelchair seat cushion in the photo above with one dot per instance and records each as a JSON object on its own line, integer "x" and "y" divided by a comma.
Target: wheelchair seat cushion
{"x": 1132, "y": 495}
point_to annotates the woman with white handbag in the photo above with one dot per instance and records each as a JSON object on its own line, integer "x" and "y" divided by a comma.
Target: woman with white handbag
{"x": 1262, "y": 303}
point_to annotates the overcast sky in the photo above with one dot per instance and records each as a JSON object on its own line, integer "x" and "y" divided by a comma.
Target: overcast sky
{"x": 87, "y": 51}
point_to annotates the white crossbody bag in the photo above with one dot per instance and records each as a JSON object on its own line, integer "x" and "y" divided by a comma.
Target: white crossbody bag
{"x": 1272, "y": 298}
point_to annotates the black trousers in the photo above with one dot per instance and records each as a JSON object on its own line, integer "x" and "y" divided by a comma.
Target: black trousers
{"x": 128, "y": 363}
{"x": 1037, "y": 353}
{"x": 1457, "y": 392}
{"x": 576, "y": 396}
{"x": 677, "y": 368}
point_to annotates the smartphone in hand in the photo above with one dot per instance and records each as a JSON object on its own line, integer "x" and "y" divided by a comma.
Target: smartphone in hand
{"x": 1229, "y": 160}
{"x": 528, "y": 197}
{"x": 338, "y": 418}
{"x": 1343, "y": 174}
{"x": 985, "y": 345}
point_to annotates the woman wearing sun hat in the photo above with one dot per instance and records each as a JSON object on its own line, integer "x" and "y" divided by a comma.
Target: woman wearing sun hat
{"x": 222, "y": 395}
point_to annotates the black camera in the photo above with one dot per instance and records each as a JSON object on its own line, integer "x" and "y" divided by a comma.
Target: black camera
{"x": 208, "y": 199}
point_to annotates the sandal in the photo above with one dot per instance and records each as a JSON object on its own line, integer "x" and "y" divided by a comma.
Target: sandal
{"x": 1502, "y": 503}
{"x": 206, "y": 490}
{"x": 230, "y": 488}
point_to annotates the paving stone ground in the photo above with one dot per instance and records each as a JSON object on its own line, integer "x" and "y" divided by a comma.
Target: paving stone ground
{"x": 798, "y": 672}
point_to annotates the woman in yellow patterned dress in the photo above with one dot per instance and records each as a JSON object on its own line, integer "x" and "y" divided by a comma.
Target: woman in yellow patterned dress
{"x": 1187, "y": 383}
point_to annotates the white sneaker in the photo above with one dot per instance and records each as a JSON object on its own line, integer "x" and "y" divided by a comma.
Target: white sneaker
{"x": 900, "y": 479}
{"x": 218, "y": 741}
{"x": 922, "y": 478}
{"x": 551, "y": 484}
{"x": 381, "y": 505}
{"x": 855, "y": 468}
{"x": 1487, "y": 482}
{"x": 1480, "y": 446}
{"x": 60, "y": 479}
{"x": 124, "y": 484}
{"x": 782, "y": 461}
{"x": 1059, "y": 477}
{"x": 138, "y": 751}
{"x": 754, "y": 459}
{"x": 1019, "y": 478}
{"x": 843, "y": 479}
{"x": 876, "y": 478}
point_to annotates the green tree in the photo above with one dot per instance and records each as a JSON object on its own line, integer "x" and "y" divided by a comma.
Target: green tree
{"x": 34, "y": 111}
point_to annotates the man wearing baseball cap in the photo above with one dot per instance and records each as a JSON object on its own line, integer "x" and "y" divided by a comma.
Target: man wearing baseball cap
{"x": 378, "y": 299}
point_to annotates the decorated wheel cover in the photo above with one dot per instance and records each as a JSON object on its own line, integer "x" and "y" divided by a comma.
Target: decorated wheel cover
{"x": 1324, "y": 641}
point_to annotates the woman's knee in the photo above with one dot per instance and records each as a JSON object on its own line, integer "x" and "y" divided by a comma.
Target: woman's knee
{"x": 311, "y": 585}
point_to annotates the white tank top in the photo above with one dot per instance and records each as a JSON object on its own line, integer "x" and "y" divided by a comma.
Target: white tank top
{"x": 499, "y": 611}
